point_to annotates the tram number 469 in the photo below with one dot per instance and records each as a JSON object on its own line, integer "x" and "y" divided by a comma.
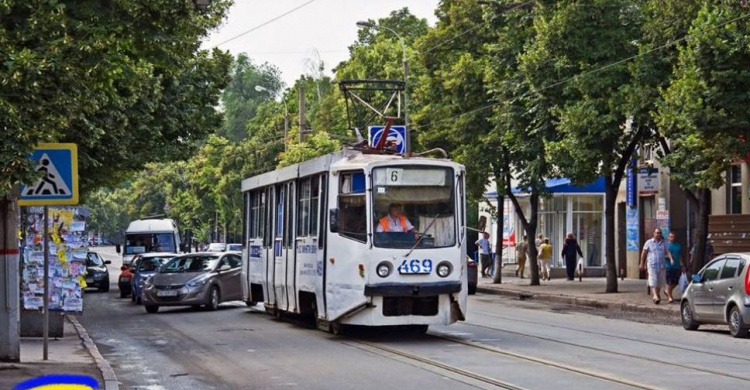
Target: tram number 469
{"x": 415, "y": 266}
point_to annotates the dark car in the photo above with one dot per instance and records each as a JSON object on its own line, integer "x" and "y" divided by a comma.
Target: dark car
{"x": 196, "y": 279}
{"x": 97, "y": 274}
{"x": 142, "y": 268}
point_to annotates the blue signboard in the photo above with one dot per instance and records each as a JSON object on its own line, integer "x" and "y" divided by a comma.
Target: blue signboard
{"x": 57, "y": 165}
{"x": 630, "y": 187}
{"x": 396, "y": 134}
{"x": 631, "y": 230}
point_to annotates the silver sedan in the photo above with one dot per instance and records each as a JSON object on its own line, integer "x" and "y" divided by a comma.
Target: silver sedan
{"x": 720, "y": 294}
{"x": 197, "y": 279}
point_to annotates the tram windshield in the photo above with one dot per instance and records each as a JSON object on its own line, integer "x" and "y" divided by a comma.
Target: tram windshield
{"x": 414, "y": 205}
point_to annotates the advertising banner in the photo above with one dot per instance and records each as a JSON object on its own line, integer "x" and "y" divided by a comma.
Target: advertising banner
{"x": 631, "y": 226}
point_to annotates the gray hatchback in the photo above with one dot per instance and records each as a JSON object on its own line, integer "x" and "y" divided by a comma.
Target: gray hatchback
{"x": 720, "y": 294}
{"x": 194, "y": 280}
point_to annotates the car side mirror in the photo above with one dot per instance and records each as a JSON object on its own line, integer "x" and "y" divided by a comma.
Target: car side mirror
{"x": 697, "y": 278}
{"x": 333, "y": 219}
{"x": 107, "y": 262}
{"x": 225, "y": 267}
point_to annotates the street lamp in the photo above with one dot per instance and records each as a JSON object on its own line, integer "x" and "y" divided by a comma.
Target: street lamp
{"x": 261, "y": 88}
{"x": 406, "y": 76}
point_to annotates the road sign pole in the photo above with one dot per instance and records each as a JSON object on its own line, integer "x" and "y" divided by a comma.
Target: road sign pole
{"x": 45, "y": 325}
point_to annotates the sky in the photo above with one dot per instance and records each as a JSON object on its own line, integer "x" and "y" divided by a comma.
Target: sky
{"x": 325, "y": 26}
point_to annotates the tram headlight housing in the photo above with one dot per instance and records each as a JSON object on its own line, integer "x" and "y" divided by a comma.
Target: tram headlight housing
{"x": 444, "y": 269}
{"x": 384, "y": 269}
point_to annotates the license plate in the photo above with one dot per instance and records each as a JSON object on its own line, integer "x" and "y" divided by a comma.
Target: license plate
{"x": 89, "y": 280}
{"x": 415, "y": 267}
{"x": 167, "y": 293}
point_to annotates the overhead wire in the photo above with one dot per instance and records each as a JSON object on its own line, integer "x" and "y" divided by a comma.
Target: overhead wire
{"x": 269, "y": 21}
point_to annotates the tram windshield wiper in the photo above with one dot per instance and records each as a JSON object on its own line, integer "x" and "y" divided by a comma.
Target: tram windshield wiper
{"x": 422, "y": 235}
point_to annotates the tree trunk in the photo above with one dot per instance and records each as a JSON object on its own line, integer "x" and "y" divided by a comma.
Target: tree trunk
{"x": 701, "y": 231}
{"x": 497, "y": 277}
{"x": 609, "y": 231}
{"x": 530, "y": 229}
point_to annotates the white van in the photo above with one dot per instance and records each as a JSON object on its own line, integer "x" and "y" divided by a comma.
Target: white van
{"x": 150, "y": 235}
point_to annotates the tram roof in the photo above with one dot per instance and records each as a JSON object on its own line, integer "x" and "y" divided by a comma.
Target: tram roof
{"x": 344, "y": 160}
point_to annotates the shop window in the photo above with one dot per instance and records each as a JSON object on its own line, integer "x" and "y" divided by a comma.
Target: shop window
{"x": 735, "y": 190}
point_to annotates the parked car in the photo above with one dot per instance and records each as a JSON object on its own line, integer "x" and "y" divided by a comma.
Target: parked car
{"x": 195, "y": 279}
{"x": 142, "y": 268}
{"x": 124, "y": 280}
{"x": 719, "y": 294}
{"x": 97, "y": 274}
{"x": 234, "y": 247}
{"x": 216, "y": 247}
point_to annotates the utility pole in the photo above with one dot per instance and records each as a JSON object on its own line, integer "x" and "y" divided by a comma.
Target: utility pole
{"x": 301, "y": 113}
{"x": 10, "y": 316}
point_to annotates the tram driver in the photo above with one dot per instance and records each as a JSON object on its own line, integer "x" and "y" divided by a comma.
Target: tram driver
{"x": 395, "y": 221}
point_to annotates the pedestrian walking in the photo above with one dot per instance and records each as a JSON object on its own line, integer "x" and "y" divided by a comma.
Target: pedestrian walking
{"x": 485, "y": 253}
{"x": 653, "y": 256}
{"x": 545, "y": 256}
{"x": 569, "y": 251}
{"x": 538, "y": 242}
{"x": 674, "y": 268}
{"x": 521, "y": 249}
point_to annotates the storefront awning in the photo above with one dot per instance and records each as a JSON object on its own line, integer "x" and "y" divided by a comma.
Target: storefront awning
{"x": 561, "y": 186}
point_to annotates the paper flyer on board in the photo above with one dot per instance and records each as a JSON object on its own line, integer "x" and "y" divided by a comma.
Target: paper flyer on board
{"x": 68, "y": 248}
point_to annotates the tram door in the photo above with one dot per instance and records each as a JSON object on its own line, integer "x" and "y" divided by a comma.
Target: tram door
{"x": 269, "y": 241}
{"x": 283, "y": 248}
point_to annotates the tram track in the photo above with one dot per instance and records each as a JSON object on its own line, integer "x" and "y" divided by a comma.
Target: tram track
{"x": 623, "y": 354}
{"x": 618, "y": 337}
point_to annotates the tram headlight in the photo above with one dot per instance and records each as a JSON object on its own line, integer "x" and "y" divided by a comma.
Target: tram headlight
{"x": 444, "y": 269}
{"x": 384, "y": 269}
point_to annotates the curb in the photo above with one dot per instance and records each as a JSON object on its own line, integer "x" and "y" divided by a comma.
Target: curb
{"x": 578, "y": 301}
{"x": 110, "y": 379}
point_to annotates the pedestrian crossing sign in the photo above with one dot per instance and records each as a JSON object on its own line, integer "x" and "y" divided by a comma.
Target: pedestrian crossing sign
{"x": 57, "y": 165}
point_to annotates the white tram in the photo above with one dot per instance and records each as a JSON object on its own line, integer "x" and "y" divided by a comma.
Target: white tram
{"x": 315, "y": 243}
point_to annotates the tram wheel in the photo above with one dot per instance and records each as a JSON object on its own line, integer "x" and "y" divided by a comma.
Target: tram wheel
{"x": 420, "y": 329}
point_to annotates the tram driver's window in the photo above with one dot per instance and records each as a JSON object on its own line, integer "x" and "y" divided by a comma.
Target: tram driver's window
{"x": 352, "y": 206}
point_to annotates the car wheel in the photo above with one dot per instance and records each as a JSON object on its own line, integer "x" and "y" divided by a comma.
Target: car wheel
{"x": 736, "y": 326}
{"x": 138, "y": 300}
{"x": 472, "y": 289}
{"x": 105, "y": 287}
{"x": 152, "y": 309}
{"x": 688, "y": 321}
{"x": 213, "y": 299}
{"x": 123, "y": 294}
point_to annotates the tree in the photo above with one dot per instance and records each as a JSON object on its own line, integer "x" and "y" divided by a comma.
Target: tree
{"x": 93, "y": 73}
{"x": 577, "y": 63}
{"x": 704, "y": 109}
{"x": 241, "y": 99}
{"x": 449, "y": 103}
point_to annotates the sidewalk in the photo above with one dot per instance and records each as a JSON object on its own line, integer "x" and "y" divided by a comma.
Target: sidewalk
{"x": 631, "y": 295}
{"x": 67, "y": 355}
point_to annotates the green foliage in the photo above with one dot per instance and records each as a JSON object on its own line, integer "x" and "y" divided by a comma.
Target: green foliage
{"x": 704, "y": 110}
{"x": 240, "y": 98}
{"x": 122, "y": 79}
{"x": 316, "y": 144}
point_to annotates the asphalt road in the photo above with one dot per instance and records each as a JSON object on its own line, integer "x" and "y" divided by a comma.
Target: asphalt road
{"x": 504, "y": 344}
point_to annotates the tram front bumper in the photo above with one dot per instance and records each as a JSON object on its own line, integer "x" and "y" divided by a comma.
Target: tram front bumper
{"x": 412, "y": 289}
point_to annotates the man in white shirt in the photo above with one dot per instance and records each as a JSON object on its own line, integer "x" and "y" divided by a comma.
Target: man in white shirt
{"x": 653, "y": 258}
{"x": 485, "y": 252}
{"x": 395, "y": 221}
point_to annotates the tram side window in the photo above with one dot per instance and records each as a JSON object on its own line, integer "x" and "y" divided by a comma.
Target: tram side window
{"x": 307, "y": 207}
{"x": 257, "y": 214}
{"x": 352, "y": 206}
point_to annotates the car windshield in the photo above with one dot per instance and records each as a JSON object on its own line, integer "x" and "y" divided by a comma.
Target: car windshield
{"x": 191, "y": 264}
{"x": 413, "y": 205}
{"x": 217, "y": 247}
{"x": 93, "y": 260}
{"x": 151, "y": 264}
